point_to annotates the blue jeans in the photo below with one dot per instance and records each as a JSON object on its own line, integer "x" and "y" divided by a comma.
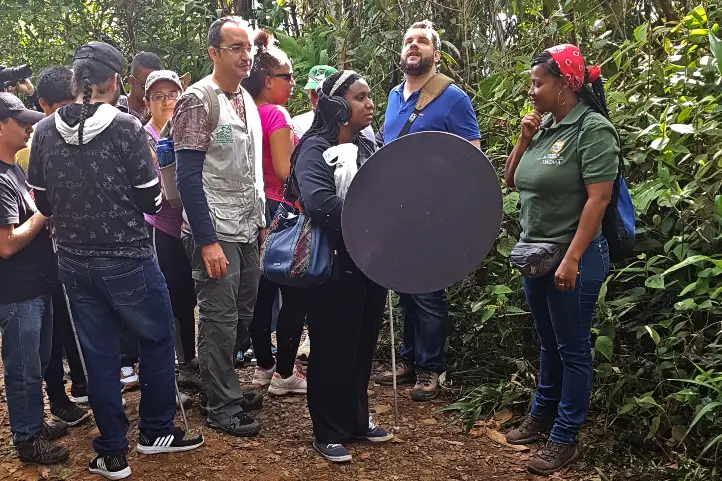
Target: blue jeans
{"x": 27, "y": 338}
{"x": 425, "y": 317}
{"x": 106, "y": 295}
{"x": 563, "y": 321}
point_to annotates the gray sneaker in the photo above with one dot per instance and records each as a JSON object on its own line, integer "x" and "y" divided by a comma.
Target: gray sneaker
{"x": 239, "y": 424}
{"x": 189, "y": 377}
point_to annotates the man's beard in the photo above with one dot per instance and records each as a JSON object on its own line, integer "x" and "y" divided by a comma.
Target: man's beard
{"x": 418, "y": 69}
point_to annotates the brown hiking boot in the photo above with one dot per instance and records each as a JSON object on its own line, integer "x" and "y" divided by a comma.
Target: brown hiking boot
{"x": 404, "y": 375}
{"x": 427, "y": 386}
{"x": 552, "y": 457}
{"x": 528, "y": 431}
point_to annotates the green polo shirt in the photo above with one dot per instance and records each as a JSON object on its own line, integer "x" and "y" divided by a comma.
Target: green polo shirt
{"x": 562, "y": 158}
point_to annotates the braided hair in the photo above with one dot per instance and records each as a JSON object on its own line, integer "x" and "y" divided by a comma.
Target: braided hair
{"x": 86, "y": 74}
{"x": 268, "y": 58}
{"x": 323, "y": 126}
{"x": 591, "y": 92}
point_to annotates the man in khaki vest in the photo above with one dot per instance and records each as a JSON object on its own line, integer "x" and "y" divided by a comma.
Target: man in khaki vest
{"x": 219, "y": 177}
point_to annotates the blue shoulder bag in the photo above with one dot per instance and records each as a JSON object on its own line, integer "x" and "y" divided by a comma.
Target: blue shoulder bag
{"x": 296, "y": 252}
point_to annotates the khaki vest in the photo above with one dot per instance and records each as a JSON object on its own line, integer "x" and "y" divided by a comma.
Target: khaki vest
{"x": 232, "y": 171}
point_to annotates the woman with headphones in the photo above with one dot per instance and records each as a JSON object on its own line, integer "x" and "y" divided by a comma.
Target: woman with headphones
{"x": 345, "y": 312}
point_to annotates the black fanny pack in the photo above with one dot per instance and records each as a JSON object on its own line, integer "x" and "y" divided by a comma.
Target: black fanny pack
{"x": 535, "y": 259}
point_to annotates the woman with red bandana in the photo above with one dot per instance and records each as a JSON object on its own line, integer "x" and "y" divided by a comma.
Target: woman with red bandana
{"x": 564, "y": 165}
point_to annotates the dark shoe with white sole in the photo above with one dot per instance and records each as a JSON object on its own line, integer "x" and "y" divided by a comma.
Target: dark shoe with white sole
{"x": 374, "y": 434}
{"x": 552, "y": 457}
{"x": 239, "y": 424}
{"x": 70, "y": 413}
{"x": 177, "y": 441}
{"x": 110, "y": 467}
{"x": 336, "y": 453}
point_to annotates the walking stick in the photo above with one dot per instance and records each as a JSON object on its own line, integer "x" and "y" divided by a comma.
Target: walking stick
{"x": 75, "y": 332}
{"x": 393, "y": 364}
{"x": 72, "y": 321}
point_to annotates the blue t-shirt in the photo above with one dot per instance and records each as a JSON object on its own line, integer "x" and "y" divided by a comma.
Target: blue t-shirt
{"x": 450, "y": 112}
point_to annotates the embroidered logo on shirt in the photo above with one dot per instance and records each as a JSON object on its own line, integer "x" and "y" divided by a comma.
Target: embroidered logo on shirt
{"x": 557, "y": 146}
{"x": 223, "y": 134}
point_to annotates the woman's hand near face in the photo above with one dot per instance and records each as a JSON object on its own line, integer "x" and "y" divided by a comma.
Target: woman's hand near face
{"x": 530, "y": 125}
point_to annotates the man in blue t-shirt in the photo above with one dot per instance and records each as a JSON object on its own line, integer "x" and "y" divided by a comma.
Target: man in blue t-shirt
{"x": 425, "y": 315}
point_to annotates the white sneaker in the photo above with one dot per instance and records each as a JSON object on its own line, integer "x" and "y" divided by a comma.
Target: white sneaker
{"x": 262, "y": 377}
{"x": 295, "y": 384}
{"x": 304, "y": 349}
{"x": 186, "y": 401}
{"x": 128, "y": 378}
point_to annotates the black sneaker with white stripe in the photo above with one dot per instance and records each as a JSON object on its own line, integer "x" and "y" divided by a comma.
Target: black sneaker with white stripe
{"x": 174, "y": 442}
{"x": 110, "y": 467}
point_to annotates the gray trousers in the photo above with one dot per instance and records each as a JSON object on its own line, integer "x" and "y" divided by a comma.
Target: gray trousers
{"x": 223, "y": 304}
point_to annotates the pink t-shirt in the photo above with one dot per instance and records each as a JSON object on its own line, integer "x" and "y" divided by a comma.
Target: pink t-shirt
{"x": 273, "y": 117}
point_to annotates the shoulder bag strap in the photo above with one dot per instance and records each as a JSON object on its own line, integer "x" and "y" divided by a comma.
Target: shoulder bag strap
{"x": 433, "y": 87}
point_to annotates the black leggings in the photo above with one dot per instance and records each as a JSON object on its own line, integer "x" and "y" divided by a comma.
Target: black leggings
{"x": 63, "y": 339}
{"x": 178, "y": 275}
{"x": 289, "y": 326}
{"x": 344, "y": 318}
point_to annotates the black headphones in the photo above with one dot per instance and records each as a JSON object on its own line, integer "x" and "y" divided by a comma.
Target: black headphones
{"x": 335, "y": 106}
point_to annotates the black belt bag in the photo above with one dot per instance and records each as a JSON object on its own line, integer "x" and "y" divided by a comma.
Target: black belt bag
{"x": 535, "y": 259}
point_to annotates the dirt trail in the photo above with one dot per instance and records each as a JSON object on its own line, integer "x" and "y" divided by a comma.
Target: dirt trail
{"x": 427, "y": 449}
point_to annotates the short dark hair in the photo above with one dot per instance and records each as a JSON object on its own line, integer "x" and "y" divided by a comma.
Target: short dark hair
{"x": 214, "y": 32}
{"x": 147, "y": 60}
{"x": 428, "y": 25}
{"x": 55, "y": 84}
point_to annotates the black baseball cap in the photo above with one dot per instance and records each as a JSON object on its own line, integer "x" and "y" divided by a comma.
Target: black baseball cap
{"x": 105, "y": 54}
{"x": 12, "y": 108}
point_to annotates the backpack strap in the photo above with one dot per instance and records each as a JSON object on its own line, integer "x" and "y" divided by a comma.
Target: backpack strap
{"x": 214, "y": 107}
{"x": 620, "y": 167}
{"x": 433, "y": 87}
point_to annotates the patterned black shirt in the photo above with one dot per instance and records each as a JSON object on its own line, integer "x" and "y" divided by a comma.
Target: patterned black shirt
{"x": 90, "y": 188}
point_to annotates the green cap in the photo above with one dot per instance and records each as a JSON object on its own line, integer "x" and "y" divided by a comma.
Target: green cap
{"x": 317, "y": 75}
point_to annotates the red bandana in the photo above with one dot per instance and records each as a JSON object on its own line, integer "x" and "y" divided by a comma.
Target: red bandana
{"x": 571, "y": 64}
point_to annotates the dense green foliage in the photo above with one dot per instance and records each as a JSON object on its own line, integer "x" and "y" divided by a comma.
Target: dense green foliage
{"x": 658, "y": 381}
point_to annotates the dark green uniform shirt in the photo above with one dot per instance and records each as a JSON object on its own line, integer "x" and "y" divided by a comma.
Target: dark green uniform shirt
{"x": 562, "y": 158}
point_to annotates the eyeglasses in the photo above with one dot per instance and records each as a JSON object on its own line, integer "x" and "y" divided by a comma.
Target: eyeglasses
{"x": 142, "y": 84}
{"x": 248, "y": 49}
{"x": 159, "y": 97}
{"x": 286, "y": 76}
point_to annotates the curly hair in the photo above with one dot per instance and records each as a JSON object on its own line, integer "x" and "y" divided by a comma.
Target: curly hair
{"x": 268, "y": 59}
